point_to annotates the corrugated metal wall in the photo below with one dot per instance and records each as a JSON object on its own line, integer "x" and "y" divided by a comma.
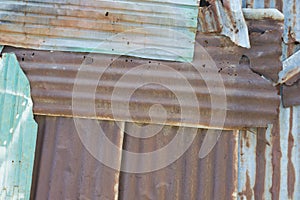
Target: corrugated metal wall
{"x": 245, "y": 165}
{"x": 258, "y": 163}
{"x": 66, "y": 170}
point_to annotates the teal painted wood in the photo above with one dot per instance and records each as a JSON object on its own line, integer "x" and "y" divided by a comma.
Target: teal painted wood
{"x": 151, "y": 29}
{"x": 18, "y": 131}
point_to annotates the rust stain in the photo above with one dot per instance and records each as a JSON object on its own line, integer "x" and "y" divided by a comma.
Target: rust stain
{"x": 260, "y": 164}
{"x": 276, "y": 157}
{"x": 248, "y": 190}
{"x": 291, "y": 168}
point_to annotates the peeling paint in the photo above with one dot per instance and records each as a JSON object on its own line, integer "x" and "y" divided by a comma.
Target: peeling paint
{"x": 18, "y": 131}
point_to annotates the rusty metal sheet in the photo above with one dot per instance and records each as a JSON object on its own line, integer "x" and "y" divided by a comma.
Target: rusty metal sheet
{"x": 225, "y": 17}
{"x": 53, "y": 75}
{"x": 65, "y": 169}
{"x": 214, "y": 177}
{"x": 290, "y": 95}
{"x": 154, "y": 29}
{"x": 266, "y": 51}
{"x": 278, "y": 4}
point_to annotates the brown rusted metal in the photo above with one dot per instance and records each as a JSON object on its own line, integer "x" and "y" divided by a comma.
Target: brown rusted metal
{"x": 265, "y": 54}
{"x": 52, "y": 77}
{"x": 276, "y": 158}
{"x": 265, "y": 36}
{"x": 260, "y": 164}
{"x": 214, "y": 177}
{"x": 65, "y": 169}
{"x": 291, "y": 95}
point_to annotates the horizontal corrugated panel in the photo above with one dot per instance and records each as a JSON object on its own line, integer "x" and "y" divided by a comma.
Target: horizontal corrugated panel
{"x": 18, "y": 131}
{"x": 64, "y": 168}
{"x": 178, "y": 87}
{"x": 148, "y": 29}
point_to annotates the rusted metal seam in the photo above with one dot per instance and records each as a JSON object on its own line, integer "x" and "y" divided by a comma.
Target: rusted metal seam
{"x": 112, "y": 119}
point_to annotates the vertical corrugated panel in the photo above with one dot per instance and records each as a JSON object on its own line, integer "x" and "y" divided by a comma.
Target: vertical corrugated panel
{"x": 256, "y": 167}
{"x": 150, "y": 29}
{"x": 289, "y": 148}
{"x": 64, "y": 167}
{"x": 66, "y": 170}
{"x": 263, "y": 4}
{"x": 214, "y": 177}
{"x": 18, "y": 131}
{"x": 269, "y": 159}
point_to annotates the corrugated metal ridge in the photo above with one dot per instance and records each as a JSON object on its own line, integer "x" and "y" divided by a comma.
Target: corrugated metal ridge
{"x": 146, "y": 29}
{"x": 53, "y": 75}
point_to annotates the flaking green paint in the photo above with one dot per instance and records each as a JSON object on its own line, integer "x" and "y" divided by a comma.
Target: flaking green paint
{"x": 18, "y": 131}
